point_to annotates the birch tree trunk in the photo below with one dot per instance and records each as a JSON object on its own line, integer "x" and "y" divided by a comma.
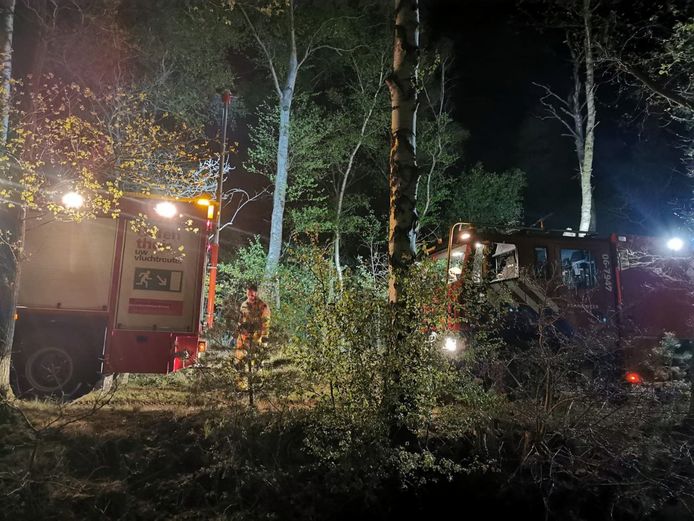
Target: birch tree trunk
{"x": 11, "y": 219}
{"x": 578, "y": 112}
{"x": 285, "y": 94}
{"x": 402, "y": 83}
{"x": 281, "y": 181}
{"x": 586, "y": 164}
{"x": 400, "y": 392}
{"x": 6, "y": 29}
{"x": 346, "y": 174}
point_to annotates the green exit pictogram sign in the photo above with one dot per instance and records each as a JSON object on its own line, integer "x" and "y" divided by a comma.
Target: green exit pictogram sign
{"x": 158, "y": 280}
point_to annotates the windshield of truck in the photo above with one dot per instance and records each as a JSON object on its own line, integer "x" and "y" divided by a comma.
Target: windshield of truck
{"x": 578, "y": 269}
{"x": 457, "y": 262}
{"x": 505, "y": 261}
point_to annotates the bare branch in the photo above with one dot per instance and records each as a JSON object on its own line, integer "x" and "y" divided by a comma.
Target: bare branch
{"x": 271, "y": 64}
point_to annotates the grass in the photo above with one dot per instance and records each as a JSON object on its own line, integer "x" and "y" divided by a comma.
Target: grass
{"x": 186, "y": 446}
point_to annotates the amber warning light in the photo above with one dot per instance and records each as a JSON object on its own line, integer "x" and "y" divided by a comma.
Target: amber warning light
{"x": 633, "y": 378}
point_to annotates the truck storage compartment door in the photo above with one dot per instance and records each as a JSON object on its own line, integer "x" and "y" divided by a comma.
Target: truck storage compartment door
{"x": 68, "y": 264}
{"x": 159, "y": 279}
{"x": 159, "y": 293}
{"x": 140, "y": 352}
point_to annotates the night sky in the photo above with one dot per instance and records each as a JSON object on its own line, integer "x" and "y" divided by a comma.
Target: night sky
{"x": 499, "y": 53}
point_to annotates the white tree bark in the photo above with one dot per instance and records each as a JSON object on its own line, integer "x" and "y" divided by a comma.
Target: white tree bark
{"x": 402, "y": 83}
{"x": 578, "y": 113}
{"x": 11, "y": 219}
{"x": 346, "y": 173}
{"x": 6, "y": 30}
{"x": 586, "y": 165}
{"x": 281, "y": 183}
{"x": 285, "y": 93}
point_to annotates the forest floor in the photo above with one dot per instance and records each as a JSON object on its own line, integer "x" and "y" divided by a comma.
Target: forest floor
{"x": 129, "y": 452}
{"x": 187, "y": 446}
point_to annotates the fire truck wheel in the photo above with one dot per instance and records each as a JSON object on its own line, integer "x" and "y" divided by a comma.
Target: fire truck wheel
{"x": 51, "y": 371}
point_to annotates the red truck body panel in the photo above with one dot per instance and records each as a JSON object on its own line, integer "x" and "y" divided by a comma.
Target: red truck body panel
{"x": 147, "y": 350}
{"x": 126, "y": 292}
{"x": 633, "y": 284}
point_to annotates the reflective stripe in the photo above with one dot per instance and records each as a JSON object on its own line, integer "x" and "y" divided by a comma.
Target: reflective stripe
{"x": 542, "y": 295}
{"x": 523, "y": 296}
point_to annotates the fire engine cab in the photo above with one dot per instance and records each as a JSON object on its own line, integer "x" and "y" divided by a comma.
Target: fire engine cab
{"x": 642, "y": 287}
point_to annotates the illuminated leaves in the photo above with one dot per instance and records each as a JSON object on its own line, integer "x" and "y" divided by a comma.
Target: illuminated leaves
{"x": 68, "y": 138}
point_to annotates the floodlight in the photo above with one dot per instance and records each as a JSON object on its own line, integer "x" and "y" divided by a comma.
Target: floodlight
{"x": 73, "y": 200}
{"x": 675, "y": 244}
{"x": 166, "y": 209}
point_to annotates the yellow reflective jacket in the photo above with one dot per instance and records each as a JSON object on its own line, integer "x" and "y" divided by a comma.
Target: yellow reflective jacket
{"x": 254, "y": 318}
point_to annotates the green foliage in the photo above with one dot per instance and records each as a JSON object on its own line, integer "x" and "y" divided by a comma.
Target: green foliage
{"x": 246, "y": 267}
{"x": 487, "y": 198}
{"x": 182, "y": 56}
{"x": 310, "y": 129}
{"x": 344, "y": 348}
{"x": 321, "y": 140}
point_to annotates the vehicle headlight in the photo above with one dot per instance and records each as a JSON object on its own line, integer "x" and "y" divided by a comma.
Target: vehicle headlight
{"x": 450, "y": 344}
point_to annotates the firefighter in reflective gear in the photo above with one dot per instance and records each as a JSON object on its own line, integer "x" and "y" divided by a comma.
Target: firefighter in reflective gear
{"x": 254, "y": 322}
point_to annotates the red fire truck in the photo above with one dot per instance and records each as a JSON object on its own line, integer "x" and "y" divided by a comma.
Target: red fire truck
{"x": 641, "y": 287}
{"x": 110, "y": 295}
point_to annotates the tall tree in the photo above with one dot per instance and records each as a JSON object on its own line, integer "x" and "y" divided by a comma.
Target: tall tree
{"x": 369, "y": 70}
{"x": 286, "y": 46}
{"x": 578, "y": 112}
{"x": 401, "y": 399}
{"x": 403, "y": 176}
{"x": 11, "y": 218}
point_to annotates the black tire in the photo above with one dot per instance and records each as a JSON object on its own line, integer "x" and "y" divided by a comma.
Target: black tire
{"x": 50, "y": 370}
{"x": 55, "y": 367}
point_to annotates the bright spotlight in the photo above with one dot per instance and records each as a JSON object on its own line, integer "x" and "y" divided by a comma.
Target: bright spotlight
{"x": 73, "y": 200}
{"x": 450, "y": 344}
{"x": 166, "y": 209}
{"x": 465, "y": 236}
{"x": 675, "y": 244}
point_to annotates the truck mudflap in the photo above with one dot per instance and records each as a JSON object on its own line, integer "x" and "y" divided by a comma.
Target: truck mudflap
{"x": 150, "y": 352}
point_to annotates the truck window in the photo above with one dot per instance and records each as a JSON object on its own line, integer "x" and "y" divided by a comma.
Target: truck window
{"x": 505, "y": 261}
{"x": 457, "y": 262}
{"x": 578, "y": 269}
{"x": 478, "y": 263}
{"x": 541, "y": 267}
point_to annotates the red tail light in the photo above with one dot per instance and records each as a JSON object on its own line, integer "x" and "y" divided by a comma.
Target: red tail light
{"x": 633, "y": 378}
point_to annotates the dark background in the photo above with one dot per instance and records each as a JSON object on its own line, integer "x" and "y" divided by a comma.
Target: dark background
{"x": 500, "y": 51}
